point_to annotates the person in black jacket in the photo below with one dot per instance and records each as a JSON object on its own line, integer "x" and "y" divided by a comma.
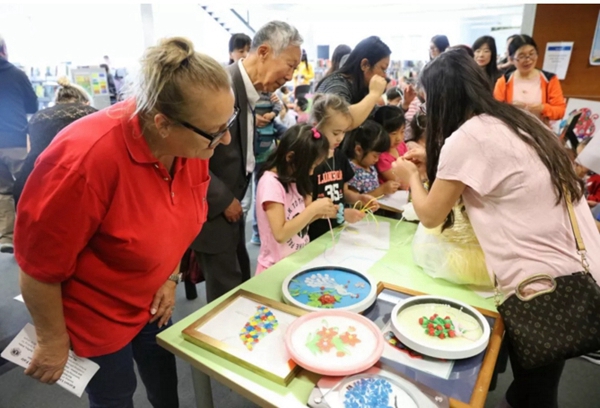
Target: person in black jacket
{"x": 17, "y": 99}
{"x": 221, "y": 245}
{"x": 110, "y": 80}
{"x": 71, "y": 103}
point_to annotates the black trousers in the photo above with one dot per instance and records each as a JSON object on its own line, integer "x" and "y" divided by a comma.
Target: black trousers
{"x": 534, "y": 388}
{"x": 226, "y": 270}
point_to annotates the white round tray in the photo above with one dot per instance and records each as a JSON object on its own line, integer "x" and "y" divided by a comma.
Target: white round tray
{"x": 326, "y": 282}
{"x": 439, "y": 351}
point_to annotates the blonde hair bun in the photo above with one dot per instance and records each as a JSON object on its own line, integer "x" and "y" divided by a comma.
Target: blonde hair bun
{"x": 176, "y": 50}
{"x": 168, "y": 71}
{"x": 63, "y": 81}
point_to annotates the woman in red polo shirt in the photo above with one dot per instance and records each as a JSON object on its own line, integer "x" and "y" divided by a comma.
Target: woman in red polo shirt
{"x": 105, "y": 217}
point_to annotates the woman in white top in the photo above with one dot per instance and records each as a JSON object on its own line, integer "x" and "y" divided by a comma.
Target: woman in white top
{"x": 510, "y": 171}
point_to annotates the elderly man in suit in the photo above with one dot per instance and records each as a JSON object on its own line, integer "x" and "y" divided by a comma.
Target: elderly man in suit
{"x": 221, "y": 246}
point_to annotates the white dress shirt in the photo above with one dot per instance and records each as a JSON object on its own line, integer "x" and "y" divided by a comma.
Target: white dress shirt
{"x": 253, "y": 98}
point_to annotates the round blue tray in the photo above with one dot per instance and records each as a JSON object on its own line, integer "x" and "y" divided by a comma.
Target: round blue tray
{"x": 330, "y": 287}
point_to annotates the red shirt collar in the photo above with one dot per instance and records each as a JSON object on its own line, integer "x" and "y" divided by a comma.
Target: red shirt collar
{"x": 132, "y": 133}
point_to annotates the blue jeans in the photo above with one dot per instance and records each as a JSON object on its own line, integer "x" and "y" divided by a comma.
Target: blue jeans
{"x": 115, "y": 382}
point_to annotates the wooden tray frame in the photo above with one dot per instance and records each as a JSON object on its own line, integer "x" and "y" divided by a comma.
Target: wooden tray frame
{"x": 227, "y": 352}
{"x": 486, "y": 372}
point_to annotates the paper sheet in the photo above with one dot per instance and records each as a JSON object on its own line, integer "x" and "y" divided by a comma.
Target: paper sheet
{"x": 19, "y": 298}
{"x": 366, "y": 234}
{"x": 590, "y": 155}
{"x": 360, "y": 246}
{"x": 359, "y": 261}
{"x": 397, "y": 200}
{"x": 78, "y": 371}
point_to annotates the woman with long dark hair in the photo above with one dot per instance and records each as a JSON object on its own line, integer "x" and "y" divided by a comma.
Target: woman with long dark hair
{"x": 304, "y": 73}
{"x": 486, "y": 55}
{"x": 512, "y": 175}
{"x": 362, "y": 79}
{"x": 438, "y": 45}
{"x": 239, "y": 47}
{"x": 336, "y": 59}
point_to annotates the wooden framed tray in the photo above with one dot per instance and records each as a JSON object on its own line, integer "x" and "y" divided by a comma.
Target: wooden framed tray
{"x": 249, "y": 329}
{"x": 466, "y": 381}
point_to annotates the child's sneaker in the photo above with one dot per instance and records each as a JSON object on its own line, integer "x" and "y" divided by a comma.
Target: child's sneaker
{"x": 255, "y": 240}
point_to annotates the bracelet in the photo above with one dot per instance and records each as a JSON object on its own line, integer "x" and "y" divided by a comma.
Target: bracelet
{"x": 340, "y": 215}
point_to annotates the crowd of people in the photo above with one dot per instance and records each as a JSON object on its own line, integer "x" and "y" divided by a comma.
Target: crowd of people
{"x": 115, "y": 200}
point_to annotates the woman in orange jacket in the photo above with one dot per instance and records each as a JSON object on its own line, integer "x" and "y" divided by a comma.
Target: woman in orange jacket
{"x": 527, "y": 87}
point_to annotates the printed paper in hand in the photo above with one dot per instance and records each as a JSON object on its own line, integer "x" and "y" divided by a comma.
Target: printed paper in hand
{"x": 78, "y": 371}
{"x": 590, "y": 155}
{"x": 396, "y": 201}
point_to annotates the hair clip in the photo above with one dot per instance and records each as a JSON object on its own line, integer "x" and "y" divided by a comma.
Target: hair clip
{"x": 316, "y": 133}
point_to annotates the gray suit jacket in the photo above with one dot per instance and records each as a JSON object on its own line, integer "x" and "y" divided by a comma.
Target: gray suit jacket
{"x": 228, "y": 178}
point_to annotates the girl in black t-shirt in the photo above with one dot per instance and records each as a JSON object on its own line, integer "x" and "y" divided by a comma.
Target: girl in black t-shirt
{"x": 331, "y": 116}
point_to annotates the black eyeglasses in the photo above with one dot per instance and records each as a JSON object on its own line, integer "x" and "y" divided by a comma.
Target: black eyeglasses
{"x": 214, "y": 138}
{"x": 523, "y": 58}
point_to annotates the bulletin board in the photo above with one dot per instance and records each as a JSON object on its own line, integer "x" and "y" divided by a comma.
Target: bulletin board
{"x": 577, "y": 23}
{"x": 95, "y": 82}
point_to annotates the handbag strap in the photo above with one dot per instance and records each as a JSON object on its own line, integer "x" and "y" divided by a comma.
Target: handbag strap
{"x": 577, "y": 233}
{"x": 578, "y": 241}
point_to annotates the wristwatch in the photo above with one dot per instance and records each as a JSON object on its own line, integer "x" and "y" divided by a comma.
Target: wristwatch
{"x": 176, "y": 277}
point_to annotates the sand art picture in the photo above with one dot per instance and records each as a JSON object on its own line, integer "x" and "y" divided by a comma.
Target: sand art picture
{"x": 249, "y": 330}
{"x": 329, "y": 288}
{"x": 334, "y": 342}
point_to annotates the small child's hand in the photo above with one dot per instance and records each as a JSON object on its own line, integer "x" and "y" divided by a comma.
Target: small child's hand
{"x": 323, "y": 207}
{"x": 353, "y": 216}
{"x": 390, "y": 187}
{"x": 369, "y": 201}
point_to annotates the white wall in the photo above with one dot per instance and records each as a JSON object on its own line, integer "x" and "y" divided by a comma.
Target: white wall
{"x": 191, "y": 21}
{"x": 47, "y": 35}
{"x": 406, "y": 27}
{"x": 39, "y": 35}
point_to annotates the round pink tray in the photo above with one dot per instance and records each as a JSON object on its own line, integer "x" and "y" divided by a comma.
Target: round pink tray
{"x": 359, "y": 359}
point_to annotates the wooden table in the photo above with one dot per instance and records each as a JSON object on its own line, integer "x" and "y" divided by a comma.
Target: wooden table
{"x": 396, "y": 268}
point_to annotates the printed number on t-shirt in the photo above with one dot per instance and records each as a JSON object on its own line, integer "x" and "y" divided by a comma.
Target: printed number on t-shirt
{"x": 333, "y": 192}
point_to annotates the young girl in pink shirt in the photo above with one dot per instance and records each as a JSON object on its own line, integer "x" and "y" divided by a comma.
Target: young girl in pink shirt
{"x": 284, "y": 205}
{"x": 391, "y": 118}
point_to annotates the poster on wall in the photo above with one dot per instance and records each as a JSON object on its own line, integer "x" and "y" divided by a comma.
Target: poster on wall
{"x": 557, "y": 58}
{"x": 94, "y": 81}
{"x": 84, "y": 82}
{"x": 595, "y": 52}
{"x": 588, "y": 124}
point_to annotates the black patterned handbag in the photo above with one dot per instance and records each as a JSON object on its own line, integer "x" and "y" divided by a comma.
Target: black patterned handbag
{"x": 556, "y": 323}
